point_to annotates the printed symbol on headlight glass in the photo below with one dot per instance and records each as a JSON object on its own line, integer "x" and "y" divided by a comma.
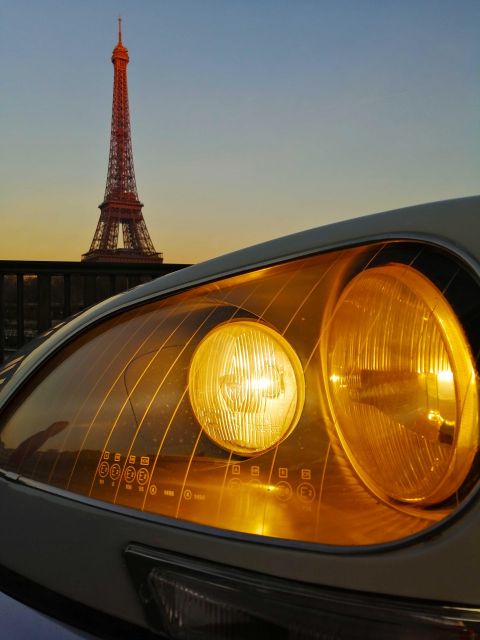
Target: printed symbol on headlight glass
{"x": 255, "y": 470}
{"x": 306, "y": 492}
{"x": 236, "y": 469}
{"x": 103, "y": 469}
{"x": 234, "y": 483}
{"x": 283, "y": 472}
{"x": 187, "y": 494}
{"x": 129, "y": 474}
{"x": 306, "y": 474}
{"x": 142, "y": 476}
{"x": 117, "y": 457}
{"x": 115, "y": 471}
{"x": 283, "y": 491}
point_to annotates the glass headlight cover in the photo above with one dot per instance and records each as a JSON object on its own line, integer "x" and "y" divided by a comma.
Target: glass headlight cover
{"x": 248, "y": 404}
{"x": 246, "y": 386}
{"x": 402, "y": 385}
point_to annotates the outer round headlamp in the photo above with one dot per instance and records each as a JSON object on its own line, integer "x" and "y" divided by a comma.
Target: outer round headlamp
{"x": 402, "y": 385}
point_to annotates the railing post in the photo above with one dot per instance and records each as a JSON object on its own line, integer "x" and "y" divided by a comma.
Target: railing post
{"x": 67, "y": 305}
{"x": 133, "y": 280}
{"x": 112, "y": 284}
{"x": 19, "y": 311}
{"x": 89, "y": 282}
{"x": 44, "y": 309}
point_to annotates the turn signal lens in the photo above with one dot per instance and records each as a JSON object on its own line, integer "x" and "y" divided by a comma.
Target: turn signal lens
{"x": 246, "y": 386}
{"x": 187, "y": 598}
{"x": 402, "y": 386}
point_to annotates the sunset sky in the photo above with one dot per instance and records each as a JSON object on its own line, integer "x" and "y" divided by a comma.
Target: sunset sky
{"x": 251, "y": 119}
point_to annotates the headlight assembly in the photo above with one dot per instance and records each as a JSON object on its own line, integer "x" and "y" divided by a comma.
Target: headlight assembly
{"x": 330, "y": 399}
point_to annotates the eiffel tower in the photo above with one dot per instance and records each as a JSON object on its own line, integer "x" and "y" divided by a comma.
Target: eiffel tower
{"x": 121, "y": 205}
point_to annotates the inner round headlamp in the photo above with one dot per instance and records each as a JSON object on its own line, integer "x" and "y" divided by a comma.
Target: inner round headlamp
{"x": 402, "y": 385}
{"x": 246, "y": 386}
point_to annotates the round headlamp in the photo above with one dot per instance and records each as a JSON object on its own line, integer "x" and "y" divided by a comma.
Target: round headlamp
{"x": 246, "y": 386}
{"x": 402, "y": 385}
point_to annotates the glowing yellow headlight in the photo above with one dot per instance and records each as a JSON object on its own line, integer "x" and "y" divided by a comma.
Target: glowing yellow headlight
{"x": 246, "y": 386}
{"x": 402, "y": 385}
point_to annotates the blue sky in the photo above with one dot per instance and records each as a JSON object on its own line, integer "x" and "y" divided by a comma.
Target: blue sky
{"x": 250, "y": 119}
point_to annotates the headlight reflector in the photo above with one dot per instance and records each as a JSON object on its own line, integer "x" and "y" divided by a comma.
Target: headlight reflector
{"x": 402, "y": 385}
{"x": 246, "y": 386}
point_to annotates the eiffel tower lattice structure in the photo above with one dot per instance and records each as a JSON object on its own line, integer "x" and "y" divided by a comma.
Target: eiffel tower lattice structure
{"x": 121, "y": 206}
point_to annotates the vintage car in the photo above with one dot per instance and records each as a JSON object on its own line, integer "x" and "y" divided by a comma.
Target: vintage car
{"x": 278, "y": 443}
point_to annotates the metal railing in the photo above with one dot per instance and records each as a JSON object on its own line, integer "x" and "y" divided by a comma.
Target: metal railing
{"x": 38, "y": 295}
